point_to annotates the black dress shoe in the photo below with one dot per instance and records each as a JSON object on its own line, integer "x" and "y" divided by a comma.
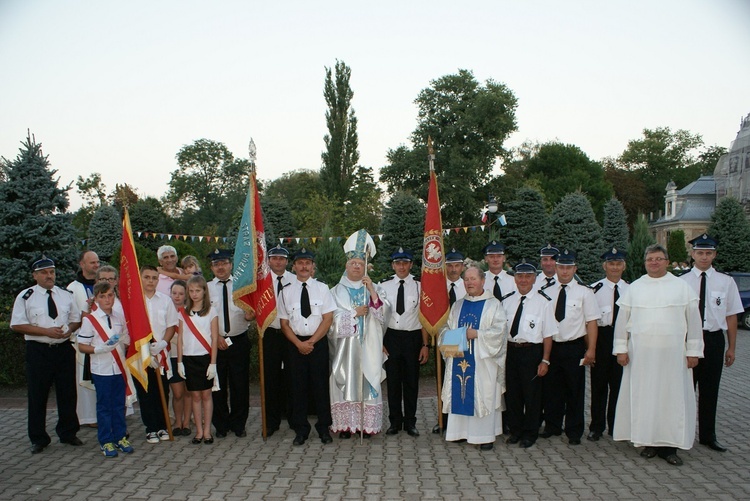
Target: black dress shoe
{"x": 412, "y": 431}
{"x": 72, "y": 441}
{"x": 594, "y": 436}
{"x": 574, "y": 441}
{"x": 196, "y": 440}
{"x": 208, "y": 441}
{"x": 512, "y": 439}
{"x": 648, "y": 452}
{"x": 37, "y": 448}
{"x": 436, "y": 429}
{"x": 241, "y": 433}
{"x": 221, "y": 434}
{"x": 547, "y": 434}
{"x": 299, "y": 440}
{"x": 713, "y": 444}
{"x": 486, "y": 447}
{"x": 186, "y": 432}
{"x": 271, "y": 431}
{"x": 526, "y": 443}
{"x": 325, "y": 438}
{"x": 345, "y": 434}
{"x": 391, "y": 431}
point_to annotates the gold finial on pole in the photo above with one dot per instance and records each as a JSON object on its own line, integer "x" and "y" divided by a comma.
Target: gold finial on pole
{"x": 430, "y": 153}
{"x": 252, "y": 150}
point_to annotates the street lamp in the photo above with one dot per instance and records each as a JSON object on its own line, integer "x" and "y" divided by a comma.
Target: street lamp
{"x": 494, "y": 217}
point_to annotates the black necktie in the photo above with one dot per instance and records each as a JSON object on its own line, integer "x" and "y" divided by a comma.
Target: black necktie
{"x": 400, "y": 309}
{"x": 305, "y": 301}
{"x": 517, "y": 318}
{"x": 109, "y": 322}
{"x": 560, "y": 306}
{"x": 615, "y": 307}
{"x": 51, "y": 306}
{"x": 702, "y": 304}
{"x": 549, "y": 279}
{"x": 278, "y": 284}
{"x": 225, "y": 297}
{"x": 452, "y": 294}
{"x": 496, "y": 289}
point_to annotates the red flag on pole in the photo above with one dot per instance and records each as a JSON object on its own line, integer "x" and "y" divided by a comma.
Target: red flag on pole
{"x": 433, "y": 303}
{"x": 134, "y": 306}
{"x": 253, "y": 284}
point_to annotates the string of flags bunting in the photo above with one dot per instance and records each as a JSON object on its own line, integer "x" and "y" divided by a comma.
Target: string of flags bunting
{"x": 282, "y": 240}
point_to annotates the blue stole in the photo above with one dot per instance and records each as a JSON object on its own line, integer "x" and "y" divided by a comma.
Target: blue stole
{"x": 361, "y": 297}
{"x": 462, "y": 387}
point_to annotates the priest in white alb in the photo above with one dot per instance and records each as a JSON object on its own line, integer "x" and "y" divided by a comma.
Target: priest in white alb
{"x": 475, "y": 377}
{"x": 658, "y": 341}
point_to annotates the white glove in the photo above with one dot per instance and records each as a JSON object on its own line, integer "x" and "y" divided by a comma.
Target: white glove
{"x": 211, "y": 372}
{"x": 181, "y": 369}
{"x": 154, "y": 363}
{"x": 160, "y": 345}
{"x": 105, "y": 348}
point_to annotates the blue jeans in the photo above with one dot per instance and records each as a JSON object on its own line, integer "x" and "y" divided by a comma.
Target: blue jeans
{"x": 110, "y": 408}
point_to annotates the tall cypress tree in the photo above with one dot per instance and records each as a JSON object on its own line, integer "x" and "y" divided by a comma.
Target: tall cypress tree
{"x": 676, "y": 246}
{"x": 574, "y": 227}
{"x": 615, "y": 227}
{"x": 641, "y": 239}
{"x": 730, "y": 227}
{"x": 341, "y": 154}
{"x": 33, "y": 219}
{"x": 528, "y": 225}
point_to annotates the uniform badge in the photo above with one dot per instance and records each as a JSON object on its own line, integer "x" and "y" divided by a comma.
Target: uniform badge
{"x": 718, "y": 301}
{"x": 532, "y": 324}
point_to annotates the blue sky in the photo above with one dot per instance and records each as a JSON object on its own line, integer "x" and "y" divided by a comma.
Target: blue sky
{"x": 119, "y": 87}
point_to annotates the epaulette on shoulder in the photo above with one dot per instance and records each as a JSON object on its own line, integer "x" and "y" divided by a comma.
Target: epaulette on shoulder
{"x": 584, "y": 285}
{"x": 544, "y": 294}
{"x": 597, "y": 287}
{"x": 503, "y": 298}
{"x": 64, "y": 289}
{"x": 28, "y": 294}
{"x": 319, "y": 281}
{"x": 549, "y": 284}
{"x": 416, "y": 279}
{"x": 386, "y": 279}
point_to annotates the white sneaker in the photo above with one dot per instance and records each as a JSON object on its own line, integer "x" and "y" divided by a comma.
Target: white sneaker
{"x": 152, "y": 438}
{"x": 163, "y": 435}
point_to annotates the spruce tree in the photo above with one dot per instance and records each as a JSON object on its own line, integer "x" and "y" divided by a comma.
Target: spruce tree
{"x": 573, "y": 226}
{"x": 402, "y": 226}
{"x": 642, "y": 238}
{"x": 105, "y": 232}
{"x": 528, "y": 225}
{"x": 615, "y": 227}
{"x": 330, "y": 260}
{"x": 729, "y": 226}
{"x": 34, "y": 220}
{"x": 676, "y": 246}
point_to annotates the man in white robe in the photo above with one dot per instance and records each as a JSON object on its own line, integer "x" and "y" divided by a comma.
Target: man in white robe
{"x": 658, "y": 341}
{"x": 488, "y": 343}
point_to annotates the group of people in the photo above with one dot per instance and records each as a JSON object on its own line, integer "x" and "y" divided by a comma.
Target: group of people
{"x": 649, "y": 345}
{"x": 525, "y": 341}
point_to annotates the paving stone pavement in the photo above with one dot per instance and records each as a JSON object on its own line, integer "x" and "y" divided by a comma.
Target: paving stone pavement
{"x": 393, "y": 467}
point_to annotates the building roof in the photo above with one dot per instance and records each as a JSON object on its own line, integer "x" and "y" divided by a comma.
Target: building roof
{"x": 704, "y": 185}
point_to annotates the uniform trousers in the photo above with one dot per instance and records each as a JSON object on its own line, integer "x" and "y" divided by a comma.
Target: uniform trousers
{"x": 47, "y": 364}
{"x": 706, "y": 377}
{"x": 523, "y": 393}
{"x": 402, "y": 375}
{"x": 110, "y": 408}
{"x": 149, "y": 401}
{"x": 564, "y": 389}
{"x": 275, "y": 363}
{"x": 309, "y": 375}
{"x": 606, "y": 376}
{"x": 232, "y": 402}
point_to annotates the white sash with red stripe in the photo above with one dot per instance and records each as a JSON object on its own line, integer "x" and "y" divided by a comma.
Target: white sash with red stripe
{"x": 129, "y": 387}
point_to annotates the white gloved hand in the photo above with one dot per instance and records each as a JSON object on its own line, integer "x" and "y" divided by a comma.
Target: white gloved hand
{"x": 106, "y": 348}
{"x": 160, "y": 345}
{"x": 154, "y": 363}
{"x": 181, "y": 369}
{"x": 211, "y": 372}
{"x": 153, "y": 350}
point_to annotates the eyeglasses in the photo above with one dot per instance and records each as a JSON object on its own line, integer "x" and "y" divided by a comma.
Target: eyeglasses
{"x": 110, "y": 280}
{"x": 656, "y": 259}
